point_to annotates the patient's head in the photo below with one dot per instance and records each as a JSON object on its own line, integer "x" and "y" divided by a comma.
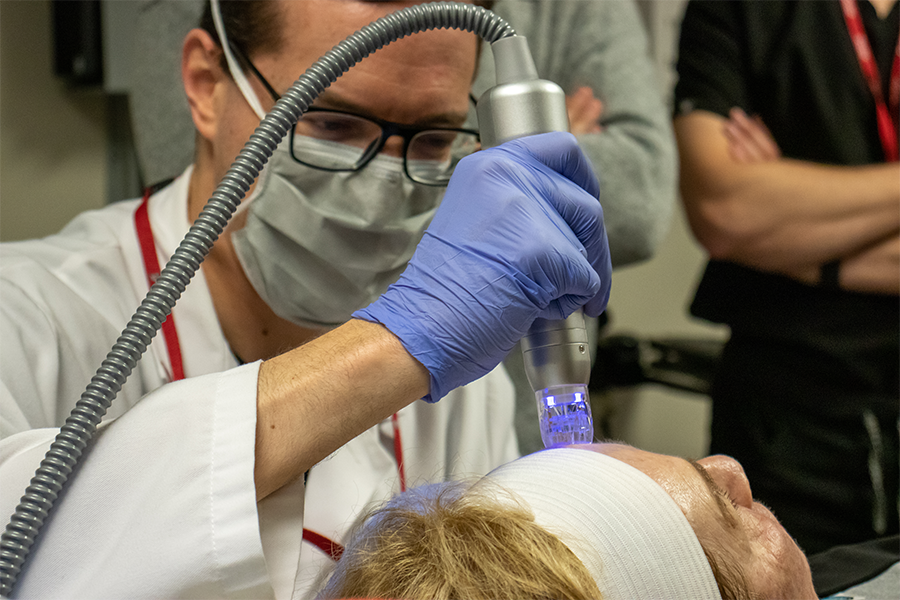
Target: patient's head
{"x": 605, "y": 520}
{"x": 456, "y": 540}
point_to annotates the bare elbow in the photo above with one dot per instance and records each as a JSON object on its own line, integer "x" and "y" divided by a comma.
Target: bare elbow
{"x": 719, "y": 247}
{"x": 717, "y": 226}
{"x": 713, "y": 187}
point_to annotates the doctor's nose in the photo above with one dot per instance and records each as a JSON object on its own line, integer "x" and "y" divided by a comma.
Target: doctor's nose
{"x": 393, "y": 146}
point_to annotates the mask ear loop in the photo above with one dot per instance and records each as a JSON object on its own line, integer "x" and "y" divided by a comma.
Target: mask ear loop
{"x": 239, "y": 78}
{"x": 246, "y": 91}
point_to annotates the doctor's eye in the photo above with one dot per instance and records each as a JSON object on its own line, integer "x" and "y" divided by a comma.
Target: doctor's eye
{"x": 442, "y": 144}
{"x": 437, "y": 144}
{"x": 338, "y": 128}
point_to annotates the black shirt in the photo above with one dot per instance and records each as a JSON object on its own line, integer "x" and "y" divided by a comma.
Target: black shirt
{"x": 792, "y": 63}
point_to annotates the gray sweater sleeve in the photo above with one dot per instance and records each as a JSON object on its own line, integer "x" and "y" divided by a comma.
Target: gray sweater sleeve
{"x": 602, "y": 44}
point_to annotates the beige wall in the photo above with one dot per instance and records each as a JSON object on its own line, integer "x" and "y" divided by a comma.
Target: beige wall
{"x": 52, "y": 140}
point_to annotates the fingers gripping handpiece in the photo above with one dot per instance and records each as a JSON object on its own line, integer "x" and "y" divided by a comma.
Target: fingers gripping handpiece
{"x": 557, "y": 359}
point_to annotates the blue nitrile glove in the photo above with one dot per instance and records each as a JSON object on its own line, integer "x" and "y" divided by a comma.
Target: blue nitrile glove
{"x": 519, "y": 235}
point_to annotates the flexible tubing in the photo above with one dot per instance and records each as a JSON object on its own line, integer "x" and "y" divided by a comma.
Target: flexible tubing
{"x": 68, "y": 447}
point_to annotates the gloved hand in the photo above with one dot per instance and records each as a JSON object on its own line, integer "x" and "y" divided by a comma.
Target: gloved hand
{"x": 519, "y": 235}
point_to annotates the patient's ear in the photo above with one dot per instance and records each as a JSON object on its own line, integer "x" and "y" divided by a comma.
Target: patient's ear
{"x": 203, "y": 79}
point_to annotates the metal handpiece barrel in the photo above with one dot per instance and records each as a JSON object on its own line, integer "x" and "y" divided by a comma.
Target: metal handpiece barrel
{"x": 557, "y": 360}
{"x": 556, "y": 352}
{"x": 522, "y": 104}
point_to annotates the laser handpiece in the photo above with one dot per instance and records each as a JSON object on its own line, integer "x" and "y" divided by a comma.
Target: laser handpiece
{"x": 557, "y": 359}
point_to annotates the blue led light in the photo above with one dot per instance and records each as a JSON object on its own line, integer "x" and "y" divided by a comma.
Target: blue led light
{"x": 564, "y": 413}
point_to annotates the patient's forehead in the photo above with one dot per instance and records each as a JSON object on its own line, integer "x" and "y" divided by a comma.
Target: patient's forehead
{"x": 680, "y": 480}
{"x": 658, "y": 464}
{"x": 608, "y": 512}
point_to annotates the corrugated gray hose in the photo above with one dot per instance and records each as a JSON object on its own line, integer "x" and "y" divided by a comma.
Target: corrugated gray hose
{"x": 81, "y": 425}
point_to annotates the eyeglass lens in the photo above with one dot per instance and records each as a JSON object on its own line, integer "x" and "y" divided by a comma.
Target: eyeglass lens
{"x": 339, "y": 141}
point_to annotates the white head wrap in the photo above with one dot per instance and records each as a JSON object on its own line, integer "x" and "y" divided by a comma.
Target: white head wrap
{"x": 628, "y": 532}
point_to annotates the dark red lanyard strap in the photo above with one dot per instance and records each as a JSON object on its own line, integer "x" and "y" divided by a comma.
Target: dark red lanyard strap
{"x": 398, "y": 451}
{"x": 151, "y": 267}
{"x": 887, "y": 117}
{"x": 332, "y": 548}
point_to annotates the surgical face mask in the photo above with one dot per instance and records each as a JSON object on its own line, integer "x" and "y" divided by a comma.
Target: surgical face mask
{"x": 318, "y": 245}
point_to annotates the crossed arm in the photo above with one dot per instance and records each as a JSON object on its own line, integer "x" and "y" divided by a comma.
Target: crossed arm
{"x": 749, "y": 205}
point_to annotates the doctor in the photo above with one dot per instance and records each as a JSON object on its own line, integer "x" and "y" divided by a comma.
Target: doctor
{"x": 268, "y": 415}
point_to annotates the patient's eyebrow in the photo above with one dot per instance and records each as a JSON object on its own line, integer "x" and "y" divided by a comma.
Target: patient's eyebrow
{"x": 717, "y": 492}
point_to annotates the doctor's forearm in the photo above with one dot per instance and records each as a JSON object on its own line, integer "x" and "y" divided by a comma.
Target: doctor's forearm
{"x": 314, "y": 399}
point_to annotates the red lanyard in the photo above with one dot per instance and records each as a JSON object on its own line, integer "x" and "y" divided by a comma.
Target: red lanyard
{"x": 151, "y": 267}
{"x": 887, "y": 119}
{"x": 398, "y": 451}
{"x": 332, "y": 548}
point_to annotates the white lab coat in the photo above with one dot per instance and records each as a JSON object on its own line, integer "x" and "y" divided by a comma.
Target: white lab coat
{"x": 163, "y": 505}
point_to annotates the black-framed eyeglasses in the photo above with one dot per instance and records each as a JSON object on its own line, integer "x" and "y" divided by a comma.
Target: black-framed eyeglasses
{"x": 335, "y": 140}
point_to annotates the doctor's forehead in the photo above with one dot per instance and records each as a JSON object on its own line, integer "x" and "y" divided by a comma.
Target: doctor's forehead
{"x": 310, "y": 28}
{"x": 331, "y": 19}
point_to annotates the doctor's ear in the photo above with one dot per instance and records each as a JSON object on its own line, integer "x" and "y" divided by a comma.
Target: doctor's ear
{"x": 203, "y": 78}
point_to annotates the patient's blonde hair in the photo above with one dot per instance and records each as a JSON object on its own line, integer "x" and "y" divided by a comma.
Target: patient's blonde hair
{"x": 456, "y": 540}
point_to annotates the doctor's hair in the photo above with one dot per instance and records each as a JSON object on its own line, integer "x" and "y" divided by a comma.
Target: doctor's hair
{"x": 457, "y": 540}
{"x": 253, "y": 26}
{"x": 256, "y": 25}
